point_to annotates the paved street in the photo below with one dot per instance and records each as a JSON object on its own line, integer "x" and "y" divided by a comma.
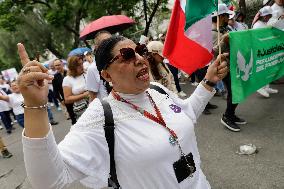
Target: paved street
{"x": 223, "y": 167}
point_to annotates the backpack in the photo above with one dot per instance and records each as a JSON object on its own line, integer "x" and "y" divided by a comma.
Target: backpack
{"x": 109, "y": 135}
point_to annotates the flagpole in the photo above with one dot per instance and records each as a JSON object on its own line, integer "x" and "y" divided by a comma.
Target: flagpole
{"x": 218, "y": 30}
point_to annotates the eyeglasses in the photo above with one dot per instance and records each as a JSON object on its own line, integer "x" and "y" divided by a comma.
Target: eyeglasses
{"x": 129, "y": 53}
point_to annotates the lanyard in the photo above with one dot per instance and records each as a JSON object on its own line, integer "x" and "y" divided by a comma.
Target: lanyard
{"x": 173, "y": 139}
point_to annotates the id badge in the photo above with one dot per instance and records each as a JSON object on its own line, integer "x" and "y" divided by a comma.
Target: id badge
{"x": 184, "y": 167}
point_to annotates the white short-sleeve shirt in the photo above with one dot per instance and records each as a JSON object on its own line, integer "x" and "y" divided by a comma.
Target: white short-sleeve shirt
{"x": 15, "y": 101}
{"x": 77, "y": 84}
{"x": 94, "y": 82}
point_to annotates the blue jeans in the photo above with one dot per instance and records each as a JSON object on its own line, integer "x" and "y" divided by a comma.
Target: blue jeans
{"x": 220, "y": 86}
{"x": 6, "y": 119}
{"x": 20, "y": 119}
{"x": 50, "y": 115}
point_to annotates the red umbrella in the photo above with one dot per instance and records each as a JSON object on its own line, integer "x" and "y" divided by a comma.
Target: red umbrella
{"x": 113, "y": 23}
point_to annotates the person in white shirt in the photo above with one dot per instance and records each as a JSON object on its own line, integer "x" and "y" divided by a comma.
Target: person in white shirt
{"x": 277, "y": 19}
{"x": 95, "y": 84}
{"x": 89, "y": 60}
{"x": 147, "y": 145}
{"x": 4, "y": 86}
{"x": 5, "y": 114}
{"x": 234, "y": 25}
{"x": 51, "y": 97}
{"x": 265, "y": 14}
{"x": 74, "y": 85}
{"x": 240, "y": 18}
{"x": 15, "y": 100}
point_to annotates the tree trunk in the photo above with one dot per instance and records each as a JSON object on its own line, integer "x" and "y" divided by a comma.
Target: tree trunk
{"x": 77, "y": 28}
{"x": 52, "y": 48}
{"x": 148, "y": 22}
{"x": 242, "y": 5}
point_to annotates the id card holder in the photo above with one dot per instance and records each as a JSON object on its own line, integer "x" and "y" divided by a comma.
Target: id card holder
{"x": 184, "y": 167}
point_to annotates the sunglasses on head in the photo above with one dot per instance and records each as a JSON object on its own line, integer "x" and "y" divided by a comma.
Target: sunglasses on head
{"x": 129, "y": 53}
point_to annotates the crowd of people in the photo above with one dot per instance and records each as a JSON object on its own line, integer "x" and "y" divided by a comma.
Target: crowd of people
{"x": 150, "y": 123}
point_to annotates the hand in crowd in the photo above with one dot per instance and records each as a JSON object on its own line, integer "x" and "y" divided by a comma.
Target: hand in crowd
{"x": 218, "y": 69}
{"x": 32, "y": 80}
{"x": 86, "y": 94}
{"x": 225, "y": 38}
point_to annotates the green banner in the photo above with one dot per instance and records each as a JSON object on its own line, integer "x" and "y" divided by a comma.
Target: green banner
{"x": 256, "y": 59}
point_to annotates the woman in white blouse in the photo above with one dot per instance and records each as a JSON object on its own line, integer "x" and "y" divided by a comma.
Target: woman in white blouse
{"x": 74, "y": 85}
{"x": 150, "y": 140}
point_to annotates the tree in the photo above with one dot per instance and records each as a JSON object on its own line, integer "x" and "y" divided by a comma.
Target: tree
{"x": 55, "y": 24}
{"x": 242, "y": 6}
{"x": 150, "y": 10}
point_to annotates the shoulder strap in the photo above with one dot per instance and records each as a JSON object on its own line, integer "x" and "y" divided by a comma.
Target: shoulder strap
{"x": 109, "y": 134}
{"x": 159, "y": 89}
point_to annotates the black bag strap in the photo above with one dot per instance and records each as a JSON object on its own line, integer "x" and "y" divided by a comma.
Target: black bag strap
{"x": 109, "y": 134}
{"x": 159, "y": 89}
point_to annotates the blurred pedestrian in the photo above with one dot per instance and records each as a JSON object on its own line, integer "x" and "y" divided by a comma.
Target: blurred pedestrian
{"x": 74, "y": 85}
{"x": 159, "y": 72}
{"x": 4, "y": 151}
{"x": 96, "y": 85}
{"x": 58, "y": 88}
{"x": 265, "y": 14}
{"x": 229, "y": 119}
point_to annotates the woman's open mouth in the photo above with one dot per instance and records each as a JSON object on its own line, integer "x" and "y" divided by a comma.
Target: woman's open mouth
{"x": 143, "y": 74}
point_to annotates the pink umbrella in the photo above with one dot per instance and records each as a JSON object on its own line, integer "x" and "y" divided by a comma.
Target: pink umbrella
{"x": 113, "y": 23}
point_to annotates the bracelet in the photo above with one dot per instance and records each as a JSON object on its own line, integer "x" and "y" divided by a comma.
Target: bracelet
{"x": 35, "y": 107}
{"x": 209, "y": 83}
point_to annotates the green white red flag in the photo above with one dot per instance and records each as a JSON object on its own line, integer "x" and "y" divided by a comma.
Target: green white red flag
{"x": 188, "y": 44}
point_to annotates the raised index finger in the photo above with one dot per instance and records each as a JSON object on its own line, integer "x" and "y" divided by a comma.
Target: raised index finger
{"x": 23, "y": 54}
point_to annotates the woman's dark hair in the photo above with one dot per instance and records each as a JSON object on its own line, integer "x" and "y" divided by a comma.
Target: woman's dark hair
{"x": 154, "y": 67}
{"x": 240, "y": 14}
{"x": 104, "y": 51}
{"x": 73, "y": 63}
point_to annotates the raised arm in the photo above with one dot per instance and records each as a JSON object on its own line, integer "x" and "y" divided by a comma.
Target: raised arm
{"x": 33, "y": 85}
{"x": 4, "y": 97}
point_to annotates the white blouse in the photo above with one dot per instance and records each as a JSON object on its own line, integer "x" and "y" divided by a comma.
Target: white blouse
{"x": 15, "y": 101}
{"x": 143, "y": 155}
{"x": 77, "y": 84}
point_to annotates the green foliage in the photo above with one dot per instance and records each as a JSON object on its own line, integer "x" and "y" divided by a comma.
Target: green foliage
{"x": 54, "y": 25}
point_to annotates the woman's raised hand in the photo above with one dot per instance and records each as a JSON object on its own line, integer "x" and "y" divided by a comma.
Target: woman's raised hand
{"x": 32, "y": 80}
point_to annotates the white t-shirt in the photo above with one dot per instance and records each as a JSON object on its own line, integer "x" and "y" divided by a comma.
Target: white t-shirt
{"x": 86, "y": 65}
{"x": 279, "y": 10}
{"x": 237, "y": 27}
{"x": 143, "y": 154}
{"x": 94, "y": 82}
{"x": 5, "y": 86}
{"x": 77, "y": 84}
{"x": 15, "y": 101}
{"x": 275, "y": 20}
{"x": 259, "y": 24}
{"x": 51, "y": 72}
{"x": 4, "y": 106}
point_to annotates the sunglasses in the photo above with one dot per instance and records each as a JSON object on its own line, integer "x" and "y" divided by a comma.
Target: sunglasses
{"x": 129, "y": 53}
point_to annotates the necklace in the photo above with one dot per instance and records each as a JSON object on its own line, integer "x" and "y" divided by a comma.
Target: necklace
{"x": 173, "y": 139}
{"x": 188, "y": 163}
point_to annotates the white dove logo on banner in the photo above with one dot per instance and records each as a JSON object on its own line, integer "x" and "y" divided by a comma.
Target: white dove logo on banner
{"x": 243, "y": 67}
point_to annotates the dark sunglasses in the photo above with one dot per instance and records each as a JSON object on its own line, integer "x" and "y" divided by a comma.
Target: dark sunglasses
{"x": 129, "y": 53}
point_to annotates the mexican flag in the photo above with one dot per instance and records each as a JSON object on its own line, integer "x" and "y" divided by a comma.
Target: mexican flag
{"x": 188, "y": 44}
